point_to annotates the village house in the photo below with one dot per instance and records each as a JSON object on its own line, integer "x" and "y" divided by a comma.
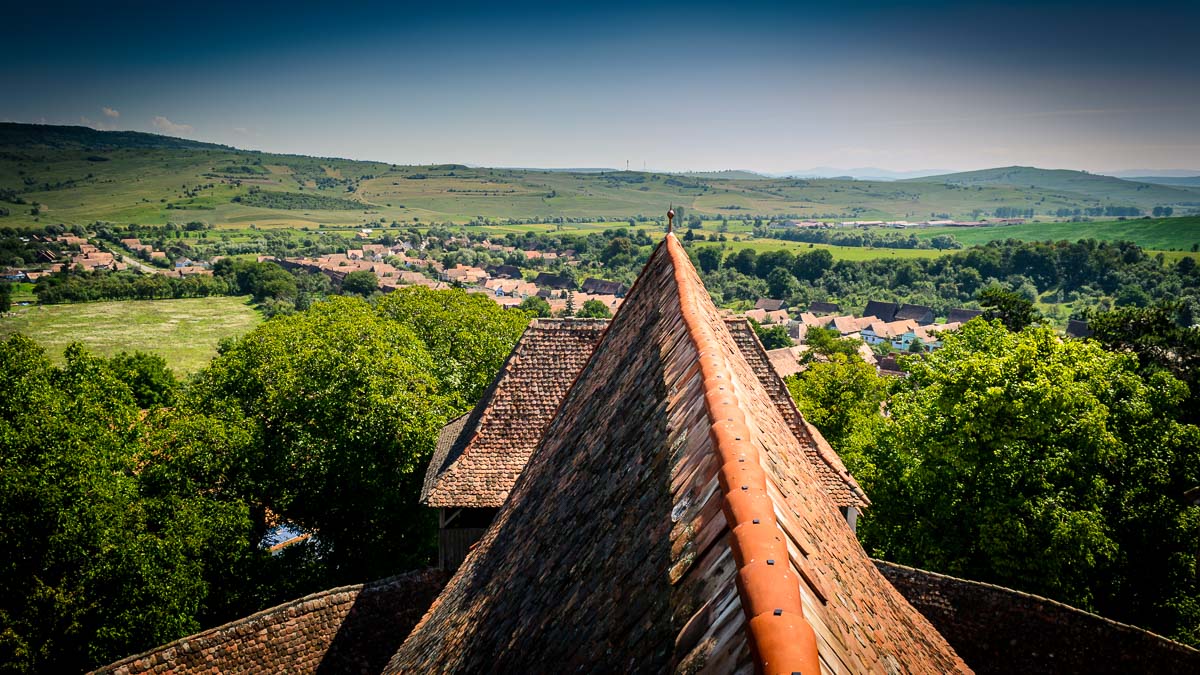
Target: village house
{"x": 768, "y": 304}
{"x": 963, "y": 315}
{"x": 824, "y": 308}
{"x": 602, "y": 287}
{"x": 763, "y": 316}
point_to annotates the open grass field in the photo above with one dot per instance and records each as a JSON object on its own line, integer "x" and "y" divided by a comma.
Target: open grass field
{"x": 839, "y": 252}
{"x": 1163, "y": 234}
{"x": 184, "y": 332}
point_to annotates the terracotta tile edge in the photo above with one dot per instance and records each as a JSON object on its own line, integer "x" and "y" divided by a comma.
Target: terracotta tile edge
{"x": 782, "y": 639}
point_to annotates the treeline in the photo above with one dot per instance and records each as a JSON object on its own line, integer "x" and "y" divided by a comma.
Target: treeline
{"x": 135, "y": 510}
{"x": 1090, "y": 273}
{"x": 264, "y": 281}
{"x": 1064, "y": 468}
{"x": 858, "y": 238}
{"x": 273, "y": 199}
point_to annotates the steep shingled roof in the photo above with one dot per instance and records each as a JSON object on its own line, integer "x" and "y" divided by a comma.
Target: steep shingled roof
{"x": 668, "y": 519}
{"x": 480, "y": 454}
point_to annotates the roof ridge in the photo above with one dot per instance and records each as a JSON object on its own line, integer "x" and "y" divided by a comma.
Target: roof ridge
{"x": 779, "y": 633}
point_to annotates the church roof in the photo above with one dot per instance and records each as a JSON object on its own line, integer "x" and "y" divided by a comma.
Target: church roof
{"x": 480, "y": 454}
{"x": 668, "y": 520}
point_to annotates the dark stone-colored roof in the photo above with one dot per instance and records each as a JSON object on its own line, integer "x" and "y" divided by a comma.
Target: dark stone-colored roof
{"x": 480, "y": 455}
{"x": 825, "y": 308}
{"x": 602, "y": 287}
{"x": 962, "y": 315}
{"x": 552, "y": 281}
{"x": 769, "y": 304}
{"x": 881, "y": 310}
{"x": 504, "y": 272}
{"x": 353, "y": 629}
{"x": 1078, "y": 329}
{"x": 627, "y": 543}
{"x": 999, "y": 630}
{"x": 919, "y": 313}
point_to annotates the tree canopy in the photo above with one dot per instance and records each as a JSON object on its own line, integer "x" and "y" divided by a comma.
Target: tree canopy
{"x": 1046, "y": 465}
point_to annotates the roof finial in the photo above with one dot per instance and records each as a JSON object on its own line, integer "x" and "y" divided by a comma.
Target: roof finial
{"x": 671, "y": 219}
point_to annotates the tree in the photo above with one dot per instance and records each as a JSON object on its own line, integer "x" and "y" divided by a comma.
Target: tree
{"x": 743, "y": 261}
{"x": 1161, "y": 340}
{"x": 147, "y": 376}
{"x": 1044, "y": 465}
{"x": 772, "y": 337}
{"x": 535, "y": 306}
{"x": 916, "y": 346}
{"x": 812, "y": 265}
{"x": 360, "y": 282}
{"x": 842, "y": 396}
{"x": 827, "y": 342}
{"x": 594, "y": 309}
{"x": 467, "y": 334}
{"x": 5, "y": 297}
{"x": 344, "y": 408}
{"x": 781, "y": 283}
{"x": 709, "y": 258}
{"x": 103, "y": 553}
{"x": 1012, "y": 309}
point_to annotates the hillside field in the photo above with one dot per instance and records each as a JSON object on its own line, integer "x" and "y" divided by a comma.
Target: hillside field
{"x": 75, "y": 175}
{"x": 184, "y": 332}
{"x": 1163, "y": 234}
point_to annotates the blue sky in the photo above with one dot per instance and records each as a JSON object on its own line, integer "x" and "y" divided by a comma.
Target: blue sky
{"x": 676, "y": 86}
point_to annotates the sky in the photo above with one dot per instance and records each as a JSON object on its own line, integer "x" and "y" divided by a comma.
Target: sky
{"x": 679, "y": 86}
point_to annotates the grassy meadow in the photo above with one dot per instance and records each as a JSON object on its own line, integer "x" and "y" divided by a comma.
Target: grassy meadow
{"x": 184, "y": 332}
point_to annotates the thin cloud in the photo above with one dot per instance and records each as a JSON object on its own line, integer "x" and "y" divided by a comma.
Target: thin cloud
{"x": 111, "y": 112}
{"x": 168, "y": 127}
{"x": 242, "y": 130}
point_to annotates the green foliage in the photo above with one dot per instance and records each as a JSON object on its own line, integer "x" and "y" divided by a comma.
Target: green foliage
{"x": 842, "y": 396}
{"x": 272, "y": 199}
{"x": 344, "y": 408}
{"x": 260, "y": 279}
{"x": 535, "y": 306}
{"x": 709, "y": 259}
{"x": 1013, "y": 310}
{"x": 781, "y": 283}
{"x": 5, "y": 296}
{"x": 827, "y": 342}
{"x": 467, "y": 335}
{"x": 360, "y": 282}
{"x": 593, "y": 309}
{"x": 96, "y": 559}
{"x": 147, "y": 376}
{"x": 1044, "y": 465}
{"x": 1163, "y": 339}
{"x": 772, "y": 337}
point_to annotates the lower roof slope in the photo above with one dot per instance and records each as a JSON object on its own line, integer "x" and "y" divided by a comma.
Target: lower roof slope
{"x": 479, "y": 455}
{"x": 669, "y": 520}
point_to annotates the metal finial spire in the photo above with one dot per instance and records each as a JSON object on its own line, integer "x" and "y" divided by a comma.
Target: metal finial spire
{"x": 671, "y": 219}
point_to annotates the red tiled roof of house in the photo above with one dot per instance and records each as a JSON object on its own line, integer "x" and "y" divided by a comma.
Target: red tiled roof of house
{"x": 478, "y": 467}
{"x": 668, "y": 521}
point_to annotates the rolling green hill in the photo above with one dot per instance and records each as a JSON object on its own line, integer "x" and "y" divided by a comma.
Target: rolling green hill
{"x": 1100, "y": 190}
{"x": 77, "y": 175}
